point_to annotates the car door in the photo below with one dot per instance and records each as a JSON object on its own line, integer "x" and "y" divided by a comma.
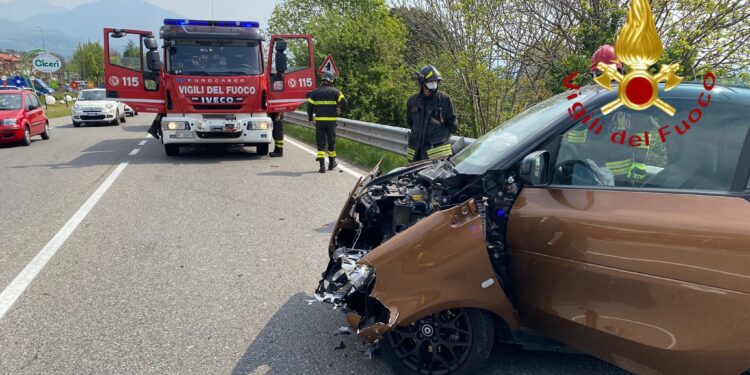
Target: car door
{"x": 289, "y": 89}
{"x": 127, "y": 77}
{"x": 652, "y": 273}
{"x": 34, "y": 113}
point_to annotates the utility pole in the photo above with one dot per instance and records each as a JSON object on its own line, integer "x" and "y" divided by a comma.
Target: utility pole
{"x": 42, "y": 30}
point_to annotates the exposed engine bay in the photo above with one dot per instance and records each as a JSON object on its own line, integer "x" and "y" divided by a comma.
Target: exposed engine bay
{"x": 395, "y": 223}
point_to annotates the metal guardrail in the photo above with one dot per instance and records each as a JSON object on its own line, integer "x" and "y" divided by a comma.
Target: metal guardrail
{"x": 385, "y": 137}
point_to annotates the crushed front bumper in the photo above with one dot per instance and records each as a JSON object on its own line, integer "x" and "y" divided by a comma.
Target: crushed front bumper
{"x": 439, "y": 263}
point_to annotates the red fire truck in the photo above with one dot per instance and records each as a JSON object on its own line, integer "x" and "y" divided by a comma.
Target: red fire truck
{"x": 214, "y": 85}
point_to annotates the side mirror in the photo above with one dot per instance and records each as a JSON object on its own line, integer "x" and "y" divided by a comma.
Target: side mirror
{"x": 153, "y": 61}
{"x": 534, "y": 168}
{"x": 150, "y": 43}
{"x": 280, "y": 58}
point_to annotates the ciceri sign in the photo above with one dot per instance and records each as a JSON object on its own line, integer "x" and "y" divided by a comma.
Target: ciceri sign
{"x": 47, "y": 63}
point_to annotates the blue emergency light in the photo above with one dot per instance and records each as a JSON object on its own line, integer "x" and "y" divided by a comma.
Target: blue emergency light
{"x": 179, "y": 22}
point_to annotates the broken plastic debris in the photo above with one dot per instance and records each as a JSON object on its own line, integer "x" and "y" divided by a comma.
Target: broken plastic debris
{"x": 311, "y": 301}
{"x": 343, "y": 331}
{"x": 341, "y": 346}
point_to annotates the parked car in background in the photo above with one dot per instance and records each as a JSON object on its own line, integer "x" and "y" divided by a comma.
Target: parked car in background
{"x": 93, "y": 106}
{"x": 632, "y": 245}
{"x": 21, "y": 117}
{"x": 129, "y": 111}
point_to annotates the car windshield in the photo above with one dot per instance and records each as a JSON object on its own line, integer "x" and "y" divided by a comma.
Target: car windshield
{"x": 93, "y": 95}
{"x": 505, "y": 139}
{"x": 215, "y": 58}
{"x": 9, "y": 102}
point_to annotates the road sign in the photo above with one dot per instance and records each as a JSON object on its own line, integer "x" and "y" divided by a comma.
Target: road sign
{"x": 47, "y": 63}
{"x": 328, "y": 66}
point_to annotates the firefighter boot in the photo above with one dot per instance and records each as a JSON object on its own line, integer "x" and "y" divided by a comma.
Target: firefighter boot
{"x": 322, "y": 166}
{"x": 152, "y": 131}
{"x": 277, "y": 152}
{"x": 332, "y": 163}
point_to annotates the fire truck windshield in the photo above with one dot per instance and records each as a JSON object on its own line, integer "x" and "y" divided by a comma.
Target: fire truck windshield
{"x": 217, "y": 58}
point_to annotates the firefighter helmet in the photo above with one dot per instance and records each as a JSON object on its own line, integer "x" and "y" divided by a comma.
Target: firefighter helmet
{"x": 605, "y": 54}
{"x": 328, "y": 77}
{"x": 428, "y": 73}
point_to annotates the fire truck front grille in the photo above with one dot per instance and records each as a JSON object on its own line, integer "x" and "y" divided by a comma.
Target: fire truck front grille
{"x": 218, "y": 135}
{"x": 218, "y": 107}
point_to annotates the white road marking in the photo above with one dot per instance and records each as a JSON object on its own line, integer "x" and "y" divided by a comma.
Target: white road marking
{"x": 314, "y": 153}
{"x": 135, "y": 152}
{"x": 143, "y": 142}
{"x": 11, "y": 293}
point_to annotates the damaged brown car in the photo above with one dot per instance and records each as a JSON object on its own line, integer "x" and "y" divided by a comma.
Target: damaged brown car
{"x": 542, "y": 229}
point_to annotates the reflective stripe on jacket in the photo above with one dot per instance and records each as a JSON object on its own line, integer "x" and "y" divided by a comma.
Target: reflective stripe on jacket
{"x": 324, "y": 102}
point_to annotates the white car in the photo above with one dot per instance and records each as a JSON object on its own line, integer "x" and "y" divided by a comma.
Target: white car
{"x": 93, "y": 106}
{"x": 129, "y": 111}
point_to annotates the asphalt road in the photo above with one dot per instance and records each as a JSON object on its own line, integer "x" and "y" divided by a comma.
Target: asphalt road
{"x": 200, "y": 264}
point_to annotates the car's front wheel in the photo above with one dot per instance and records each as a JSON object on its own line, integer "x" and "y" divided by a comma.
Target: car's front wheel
{"x": 45, "y": 135}
{"x": 26, "y": 137}
{"x": 116, "y": 121}
{"x": 76, "y": 124}
{"x": 124, "y": 118}
{"x": 455, "y": 341}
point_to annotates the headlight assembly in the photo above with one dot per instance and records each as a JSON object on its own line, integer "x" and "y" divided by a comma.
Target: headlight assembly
{"x": 360, "y": 275}
{"x": 260, "y": 126}
{"x": 109, "y": 105}
{"x": 174, "y": 125}
{"x": 10, "y": 121}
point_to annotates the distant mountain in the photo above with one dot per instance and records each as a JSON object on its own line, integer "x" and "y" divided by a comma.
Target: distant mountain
{"x": 24, "y": 37}
{"x": 17, "y": 10}
{"x": 66, "y": 27}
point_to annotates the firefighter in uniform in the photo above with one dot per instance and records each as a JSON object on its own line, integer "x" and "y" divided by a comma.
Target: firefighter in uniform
{"x": 278, "y": 134}
{"x": 627, "y": 164}
{"x": 431, "y": 119}
{"x": 326, "y": 103}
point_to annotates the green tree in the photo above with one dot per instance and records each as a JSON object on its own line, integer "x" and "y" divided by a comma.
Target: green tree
{"x": 88, "y": 61}
{"x": 367, "y": 43}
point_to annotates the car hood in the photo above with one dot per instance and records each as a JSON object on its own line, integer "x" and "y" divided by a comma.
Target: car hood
{"x": 95, "y": 103}
{"x": 10, "y": 114}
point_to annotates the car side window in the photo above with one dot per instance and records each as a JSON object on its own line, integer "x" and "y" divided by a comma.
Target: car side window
{"x": 29, "y": 102}
{"x": 651, "y": 150}
{"x": 34, "y": 100}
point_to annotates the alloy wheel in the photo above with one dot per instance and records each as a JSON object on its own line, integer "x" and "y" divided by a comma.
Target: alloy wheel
{"x": 438, "y": 344}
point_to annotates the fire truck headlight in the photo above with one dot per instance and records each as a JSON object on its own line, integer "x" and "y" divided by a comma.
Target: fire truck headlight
{"x": 260, "y": 126}
{"x": 174, "y": 125}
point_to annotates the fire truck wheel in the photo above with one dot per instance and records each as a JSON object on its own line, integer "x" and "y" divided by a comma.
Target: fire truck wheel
{"x": 262, "y": 149}
{"x": 172, "y": 150}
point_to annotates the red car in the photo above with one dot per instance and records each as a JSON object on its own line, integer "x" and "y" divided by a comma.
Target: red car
{"x": 21, "y": 117}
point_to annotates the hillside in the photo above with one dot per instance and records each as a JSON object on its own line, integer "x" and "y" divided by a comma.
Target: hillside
{"x": 64, "y": 28}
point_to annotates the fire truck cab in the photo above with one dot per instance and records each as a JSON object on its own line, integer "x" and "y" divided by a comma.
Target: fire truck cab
{"x": 212, "y": 82}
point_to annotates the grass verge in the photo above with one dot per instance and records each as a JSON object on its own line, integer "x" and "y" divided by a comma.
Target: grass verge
{"x": 58, "y": 110}
{"x": 356, "y": 153}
